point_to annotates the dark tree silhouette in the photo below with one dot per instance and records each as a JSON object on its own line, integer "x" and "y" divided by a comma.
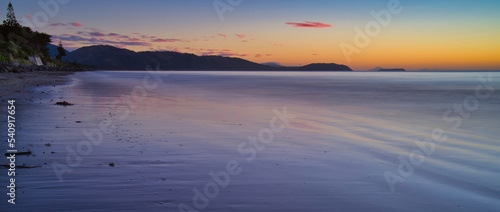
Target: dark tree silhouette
{"x": 61, "y": 51}
{"x": 20, "y": 41}
{"x": 11, "y": 20}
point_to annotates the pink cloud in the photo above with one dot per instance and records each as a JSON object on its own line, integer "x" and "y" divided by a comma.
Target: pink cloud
{"x": 76, "y": 24}
{"x": 29, "y": 16}
{"x": 309, "y": 24}
{"x": 241, "y": 36}
{"x": 258, "y": 55}
{"x": 222, "y": 35}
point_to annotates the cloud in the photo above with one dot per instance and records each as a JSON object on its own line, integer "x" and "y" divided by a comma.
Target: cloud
{"x": 94, "y": 34}
{"x": 165, "y": 40}
{"x": 222, "y": 35}
{"x": 28, "y": 16}
{"x": 116, "y": 35}
{"x": 241, "y": 36}
{"x": 57, "y": 24}
{"x": 76, "y": 24}
{"x": 309, "y": 24}
{"x": 99, "y": 41}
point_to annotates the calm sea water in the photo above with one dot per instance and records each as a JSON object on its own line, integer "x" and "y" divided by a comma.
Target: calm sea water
{"x": 353, "y": 141}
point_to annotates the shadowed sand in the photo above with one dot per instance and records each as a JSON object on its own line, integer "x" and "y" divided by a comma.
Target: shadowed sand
{"x": 13, "y": 85}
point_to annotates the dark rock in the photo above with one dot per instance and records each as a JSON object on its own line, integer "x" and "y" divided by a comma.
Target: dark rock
{"x": 64, "y": 103}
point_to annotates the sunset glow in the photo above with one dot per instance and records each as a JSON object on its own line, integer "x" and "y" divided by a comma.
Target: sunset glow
{"x": 453, "y": 35}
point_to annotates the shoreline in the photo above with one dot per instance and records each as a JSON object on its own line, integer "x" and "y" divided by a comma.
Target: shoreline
{"x": 32, "y": 91}
{"x": 21, "y": 85}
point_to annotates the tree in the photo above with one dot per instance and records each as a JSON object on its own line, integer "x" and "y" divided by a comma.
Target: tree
{"x": 61, "y": 51}
{"x": 21, "y": 41}
{"x": 11, "y": 20}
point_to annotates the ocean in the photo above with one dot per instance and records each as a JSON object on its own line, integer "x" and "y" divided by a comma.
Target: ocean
{"x": 264, "y": 141}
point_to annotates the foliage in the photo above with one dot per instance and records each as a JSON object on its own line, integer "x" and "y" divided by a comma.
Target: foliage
{"x": 61, "y": 52}
{"x": 20, "y": 41}
{"x": 11, "y": 17}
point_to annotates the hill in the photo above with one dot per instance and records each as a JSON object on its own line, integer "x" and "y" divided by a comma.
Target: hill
{"x": 323, "y": 67}
{"x": 112, "y": 58}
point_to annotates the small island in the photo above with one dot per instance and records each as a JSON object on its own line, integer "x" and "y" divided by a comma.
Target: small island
{"x": 392, "y": 70}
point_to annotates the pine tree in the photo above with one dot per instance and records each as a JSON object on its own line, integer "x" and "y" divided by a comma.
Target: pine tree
{"x": 61, "y": 51}
{"x": 11, "y": 17}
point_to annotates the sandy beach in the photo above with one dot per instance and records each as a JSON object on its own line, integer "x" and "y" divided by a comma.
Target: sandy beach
{"x": 22, "y": 84}
{"x": 227, "y": 141}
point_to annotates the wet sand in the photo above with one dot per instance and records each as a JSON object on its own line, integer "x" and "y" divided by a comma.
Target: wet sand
{"x": 18, "y": 85}
{"x": 112, "y": 152}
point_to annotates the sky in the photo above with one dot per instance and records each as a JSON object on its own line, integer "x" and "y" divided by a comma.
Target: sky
{"x": 410, "y": 34}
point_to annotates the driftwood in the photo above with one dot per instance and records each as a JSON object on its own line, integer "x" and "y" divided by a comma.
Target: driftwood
{"x": 21, "y": 167}
{"x": 19, "y": 153}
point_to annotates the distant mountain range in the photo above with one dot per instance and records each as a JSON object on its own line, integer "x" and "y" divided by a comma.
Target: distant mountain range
{"x": 112, "y": 58}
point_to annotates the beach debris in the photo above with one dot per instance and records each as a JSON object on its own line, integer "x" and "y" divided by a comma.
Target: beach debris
{"x": 64, "y": 103}
{"x": 20, "y": 153}
{"x": 21, "y": 167}
{"x": 47, "y": 144}
{"x": 112, "y": 164}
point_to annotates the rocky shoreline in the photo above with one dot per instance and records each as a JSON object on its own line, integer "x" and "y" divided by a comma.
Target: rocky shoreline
{"x": 18, "y": 68}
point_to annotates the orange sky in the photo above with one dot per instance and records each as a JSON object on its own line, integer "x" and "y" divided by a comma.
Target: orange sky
{"x": 451, "y": 35}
